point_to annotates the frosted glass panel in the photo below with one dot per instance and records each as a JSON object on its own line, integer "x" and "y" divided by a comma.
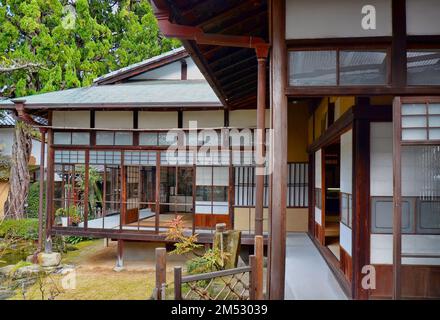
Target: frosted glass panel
{"x": 423, "y": 67}
{"x": 104, "y": 138}
{"x": 434, "y": 134}
{"x": 434, "y": 121}
{"x": 312, "y": 68}
{"x": 363, "y": 67}
{"x": 148, "y": 139}
{"x": 414, "y": 122}
{"x": 62, "y": 138}
{"x": 434, "y": 108}
{"x": 414, "y": 134}
{"x": 221, "y": 176}
{"x": 81, "y": 138}
{"x": 204, "y": 176}
{"x": 123, "y": 138}
{"x": 408, "y": 109}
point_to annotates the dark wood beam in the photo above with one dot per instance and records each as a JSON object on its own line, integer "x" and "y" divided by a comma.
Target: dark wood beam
{"x": 398, "y": 50}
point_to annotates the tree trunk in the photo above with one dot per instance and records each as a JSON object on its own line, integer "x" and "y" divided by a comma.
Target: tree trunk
{"x": 19, "y": 178}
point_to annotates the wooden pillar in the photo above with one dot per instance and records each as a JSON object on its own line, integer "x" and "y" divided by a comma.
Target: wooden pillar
{"x": 279, "y": 152}
{"x": 262, "y": 53}
{"x": 397, "y": 201}
{"x": 161, "y": 272}
{"x": 41, "y": 195}
{"x": 361, "y": 200}
{"x": 259, "y": 267}
{"x": 49, "y": 191}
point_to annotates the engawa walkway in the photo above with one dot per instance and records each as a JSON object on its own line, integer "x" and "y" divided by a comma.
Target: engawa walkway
{"x": 307, "y": 274}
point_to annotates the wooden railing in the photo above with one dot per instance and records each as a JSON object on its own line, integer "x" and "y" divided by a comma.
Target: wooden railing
{"x": 242, "y": 283}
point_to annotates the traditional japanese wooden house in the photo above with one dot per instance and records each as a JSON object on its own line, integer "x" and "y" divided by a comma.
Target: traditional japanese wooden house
{"x": 350, "y": 90}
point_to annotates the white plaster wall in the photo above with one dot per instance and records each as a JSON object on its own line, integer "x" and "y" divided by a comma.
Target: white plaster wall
{"x": 72, "y": 119}
{"x": 318, "y": 169}
{"x": 318, "y": 216}
{"x": 347, "y": 162}
{"x": 307, "y": 19}
{"x": 158, "y": 120}
{"x": 247, "y": 118}
{"x": 114, "y": 119}
{"x": 345, "y": 238}
{"x": 193, "y": 72}
{"x": 381, "y": 159}
{"x": 422, "y": 17}
{"x": 205, "y": 119}
{"x": 382, "y": 248}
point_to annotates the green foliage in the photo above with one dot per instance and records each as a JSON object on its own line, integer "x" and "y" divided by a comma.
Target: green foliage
{"x": 75, "y": 239}
{"x": 33, "y": 200}
{"x": 74, "y": 41}
{"x": 5, "y": 167}
{"x": 23, "y": 229}
{"x": 212, "y": 260}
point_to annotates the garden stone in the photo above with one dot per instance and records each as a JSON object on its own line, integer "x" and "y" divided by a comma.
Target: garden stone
{"x": 6, "y": 271}
{"x": 27, "y": 271}
{"x": 49, "y": 259}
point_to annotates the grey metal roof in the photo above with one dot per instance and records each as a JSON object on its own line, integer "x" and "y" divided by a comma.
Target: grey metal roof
{"x": 140, "y": 64}
{"x": 148, "y": 94}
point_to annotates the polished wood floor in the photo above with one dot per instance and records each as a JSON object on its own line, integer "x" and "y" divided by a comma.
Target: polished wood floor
{"x": 164, "y": 220}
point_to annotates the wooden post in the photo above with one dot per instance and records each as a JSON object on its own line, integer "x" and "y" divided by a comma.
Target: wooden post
{"x": 177, "y": 283}
{"x": 259, "y": 267}
{"x": 279, "y": 152}
{"x": 260, "y": 147}
{"x": 41, "y": 195}
{"x": 397, "y": 200}
{"x": 49, "y": 191}
{"x": 253, "y": 278}
{"x": 161, "y": 272}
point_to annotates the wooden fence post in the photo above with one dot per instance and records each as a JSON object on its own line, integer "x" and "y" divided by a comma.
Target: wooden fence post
{"x": 252, "y": 277}
{"x": 177, "y": 283}
{"x": 259, "y": 268}
{"x": 161, "y": 273}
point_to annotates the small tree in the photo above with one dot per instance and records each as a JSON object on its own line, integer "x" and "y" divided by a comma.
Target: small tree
{"x": 211, "y": 260}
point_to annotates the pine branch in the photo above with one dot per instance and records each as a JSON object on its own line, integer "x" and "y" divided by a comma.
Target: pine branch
{"x": 15, "y": 66}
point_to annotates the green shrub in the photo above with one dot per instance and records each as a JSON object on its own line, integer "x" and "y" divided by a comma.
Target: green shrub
{"x": 24, "y": 229}
{"x": 75, "y": 239}
{"x": 33, "y": 200}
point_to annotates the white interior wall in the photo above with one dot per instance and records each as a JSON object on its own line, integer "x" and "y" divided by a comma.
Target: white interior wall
{"x": 318, "y": 168}
{"x": 346, "y": 171}
{"x": 347, "y": 162}
{"x": 158, "y": 120}
{"x": 307, "y": 19}
{"x": 114, "y": 119}
{"x": 72, "y": 119}
{"x": 422, "y": 17}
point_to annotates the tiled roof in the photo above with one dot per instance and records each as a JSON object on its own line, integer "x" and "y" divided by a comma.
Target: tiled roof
{"x": 148, "y": 94}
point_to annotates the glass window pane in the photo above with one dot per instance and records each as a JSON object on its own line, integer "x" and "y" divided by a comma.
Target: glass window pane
{"x": 410, "y": 109}
{"x": 434, "y": 108}
{"x": 123, "y": 138}
{"x": 312, "y": 68}
{"x": 363, "y": 67}
{"x": 104, "y": 138}
{"x": 434, "y": 134}
{"x": 414, "y": 122}
{"x": 62, "y": 138}
{"x": 148, "y": 139}
{"x": 167, "y": 138}
{"x": 434, "y": 121}
{"x": 414, "y": 134}
{"x": 423, "y": 67}
{"x": 220, "y": 194}
{"x": 81, "y": 138}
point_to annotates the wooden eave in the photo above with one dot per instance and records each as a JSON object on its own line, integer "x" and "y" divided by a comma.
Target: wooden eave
{"x": 223, "y": 65}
